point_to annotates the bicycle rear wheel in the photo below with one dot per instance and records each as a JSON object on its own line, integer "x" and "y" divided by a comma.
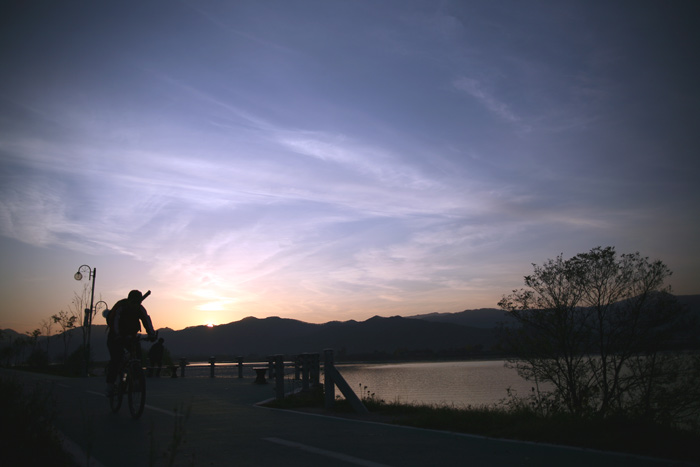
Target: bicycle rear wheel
{"x": 136, "y": 386}
{"x": 115, "y": 399}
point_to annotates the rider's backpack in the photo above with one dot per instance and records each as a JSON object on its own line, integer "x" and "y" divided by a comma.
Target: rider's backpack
{"x": 129, "y": 322}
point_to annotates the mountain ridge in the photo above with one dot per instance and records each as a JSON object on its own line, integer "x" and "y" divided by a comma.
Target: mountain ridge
{"x": 461, "y": 333}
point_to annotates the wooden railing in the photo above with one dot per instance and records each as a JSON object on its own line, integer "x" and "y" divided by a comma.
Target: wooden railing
{"x": 307, "y": 369}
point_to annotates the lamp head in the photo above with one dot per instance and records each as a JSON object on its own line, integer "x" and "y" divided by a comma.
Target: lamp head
{"x": 78, "y": 276}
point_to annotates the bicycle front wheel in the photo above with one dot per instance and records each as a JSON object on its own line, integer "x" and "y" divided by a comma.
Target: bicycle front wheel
{"x": 136, "y": 386}
{"x": 115, "y": 398}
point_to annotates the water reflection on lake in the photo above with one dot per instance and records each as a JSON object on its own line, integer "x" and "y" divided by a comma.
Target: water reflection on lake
{"x": 458, "y": 383}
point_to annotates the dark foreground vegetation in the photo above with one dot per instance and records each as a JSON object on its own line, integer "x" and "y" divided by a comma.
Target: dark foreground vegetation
{"x": 27, "y": 435}
{"x": 516, "y": 419}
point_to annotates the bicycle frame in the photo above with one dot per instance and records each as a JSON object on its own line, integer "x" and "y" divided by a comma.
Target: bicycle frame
{"x": 131, "y": 380}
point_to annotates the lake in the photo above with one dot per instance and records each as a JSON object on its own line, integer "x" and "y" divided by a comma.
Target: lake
{"x": 453, "y": 383}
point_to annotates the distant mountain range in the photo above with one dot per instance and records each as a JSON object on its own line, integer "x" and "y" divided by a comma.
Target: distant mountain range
{"x": 485, "y": 318}
{"x": 470, "y": 332}
{"x": 395, "y": 336}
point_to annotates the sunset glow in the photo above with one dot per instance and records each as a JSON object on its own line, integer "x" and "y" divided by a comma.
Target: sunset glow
{"x": 337, "y": 160}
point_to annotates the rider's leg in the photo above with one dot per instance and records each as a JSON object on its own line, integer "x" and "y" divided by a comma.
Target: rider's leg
{"x": 116, "y": 352}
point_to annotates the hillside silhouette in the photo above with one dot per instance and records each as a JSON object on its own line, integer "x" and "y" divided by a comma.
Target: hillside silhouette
{"x": 470, "y": 333}
{"x": 375, "y": 338}
{"x": 394, "y": 337}
{"x": 481, "y": 318}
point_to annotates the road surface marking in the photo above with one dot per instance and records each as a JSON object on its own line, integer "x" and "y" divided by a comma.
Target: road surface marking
{"x": 166, "y": 412}
{"x": 323, "y": 452}
{"x": 79, "y": 455}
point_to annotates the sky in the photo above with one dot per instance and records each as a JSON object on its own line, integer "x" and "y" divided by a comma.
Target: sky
{"x": 332, "y": 160}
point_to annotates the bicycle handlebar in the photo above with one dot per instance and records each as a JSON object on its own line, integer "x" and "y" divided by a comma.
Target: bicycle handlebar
{"x": 141, "y": 337}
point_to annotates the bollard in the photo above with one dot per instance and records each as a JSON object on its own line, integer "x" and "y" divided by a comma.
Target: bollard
{"x": 328, "y": 384}
{"x": 212, "y": 364}
{"x": 240, "y": 367}
{"x": 260, "y": 374}
{"x": 279, "y": 376}
{"x": 183, "y": 363}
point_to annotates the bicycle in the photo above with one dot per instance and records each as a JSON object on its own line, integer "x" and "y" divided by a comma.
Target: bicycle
{"x": 131, "y": 380}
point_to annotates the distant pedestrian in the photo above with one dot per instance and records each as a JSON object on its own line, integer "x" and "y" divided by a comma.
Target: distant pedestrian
{"x": 155, "y": 357}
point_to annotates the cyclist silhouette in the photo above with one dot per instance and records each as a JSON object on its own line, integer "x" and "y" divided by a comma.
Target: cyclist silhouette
{"x": 124, "y": 321}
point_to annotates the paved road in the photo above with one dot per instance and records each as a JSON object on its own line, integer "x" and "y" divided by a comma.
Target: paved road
{"x": 225, "y": 427}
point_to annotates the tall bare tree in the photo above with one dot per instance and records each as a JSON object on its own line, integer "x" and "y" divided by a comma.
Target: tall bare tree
{"x": 602, "y": 331}
{"x": 46, "y": 326}
{"x": 67, "y": 322}
{"x": 34, "y": 336}
{"x": 78, "y": 307}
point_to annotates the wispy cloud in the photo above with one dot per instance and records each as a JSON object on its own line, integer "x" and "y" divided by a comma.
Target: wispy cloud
{"x": 215, "y": 19}
{"x": 378, "y": 164}
{"x": 486, "y": 98}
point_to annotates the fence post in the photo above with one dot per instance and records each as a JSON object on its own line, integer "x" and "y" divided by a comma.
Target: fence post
{"x": 328, "y": 380}
{"x": 305, "y": 359}
{"x": 338, "y": 380}
{"x": 212, "y": 363}
{"x": 270, "y": 366}
{"x": 315, "y": 369}
{"x": 240, "y": 367}
{"x": 279, "y": 376}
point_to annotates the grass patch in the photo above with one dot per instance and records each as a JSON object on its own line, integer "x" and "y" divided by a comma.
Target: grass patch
{"x": 27, "y": 432}
{"x": 519, "y": 422}
{"x": 622, "y": 435}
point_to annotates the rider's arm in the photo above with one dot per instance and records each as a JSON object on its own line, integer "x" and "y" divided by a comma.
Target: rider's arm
{"x": 146, "y": 320}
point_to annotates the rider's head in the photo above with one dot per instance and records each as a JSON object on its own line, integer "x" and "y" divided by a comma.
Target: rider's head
{"x": 135, "y": 297}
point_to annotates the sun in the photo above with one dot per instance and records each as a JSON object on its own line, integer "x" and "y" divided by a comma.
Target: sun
{"x": 210, "y": 325}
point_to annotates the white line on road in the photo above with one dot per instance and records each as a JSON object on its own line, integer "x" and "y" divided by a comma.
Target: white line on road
{"x": 79, "y": 455}
{"x": 166, "y": 412}
{"x": 324, "y": 452}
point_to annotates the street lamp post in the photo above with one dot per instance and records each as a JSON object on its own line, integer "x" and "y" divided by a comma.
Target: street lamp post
{"x": 87, "y": 323}
{"x": 97, "y": 307}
